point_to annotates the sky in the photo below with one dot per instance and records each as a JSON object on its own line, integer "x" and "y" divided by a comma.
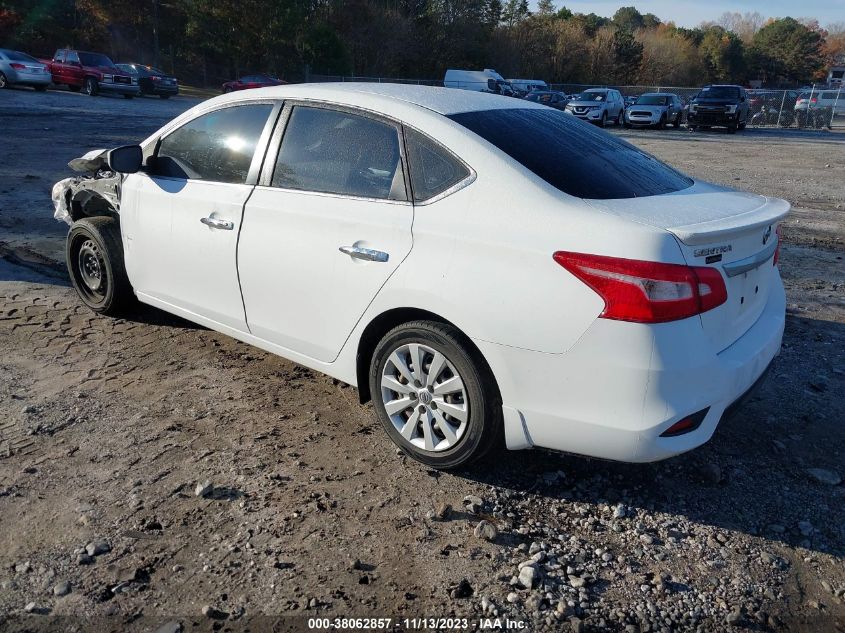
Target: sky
{"x": 693, "y": 12}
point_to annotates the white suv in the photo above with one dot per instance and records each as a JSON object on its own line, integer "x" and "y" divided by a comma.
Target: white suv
{"x": 833, "y": 99}
{"x": 598, "y": 105}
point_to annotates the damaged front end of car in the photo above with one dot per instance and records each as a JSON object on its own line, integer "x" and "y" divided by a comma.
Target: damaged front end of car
{"x": 98, "y": 193}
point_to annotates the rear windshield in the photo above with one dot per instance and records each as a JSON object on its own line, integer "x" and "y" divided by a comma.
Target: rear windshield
{"x": 94, "y": 59}
{"x": 572, "y": 155}
{"x": 16, "y": 56}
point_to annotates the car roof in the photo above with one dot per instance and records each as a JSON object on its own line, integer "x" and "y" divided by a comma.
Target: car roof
{"x": 658, "y": 94}
{"x": 444, "y": 101}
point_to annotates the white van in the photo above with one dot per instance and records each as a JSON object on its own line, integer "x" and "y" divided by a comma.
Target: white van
{"x": 527, "y": 85}
{"x": 487, "y": 80}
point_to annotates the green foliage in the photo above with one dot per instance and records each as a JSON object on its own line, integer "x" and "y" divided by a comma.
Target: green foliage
{"x": 787, "y": 50}
{"x": 723, "y": 54}
{"x": 206, "y": 41}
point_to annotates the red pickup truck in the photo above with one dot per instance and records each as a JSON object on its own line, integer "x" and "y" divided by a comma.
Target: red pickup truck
{"x": 90, "y": 72}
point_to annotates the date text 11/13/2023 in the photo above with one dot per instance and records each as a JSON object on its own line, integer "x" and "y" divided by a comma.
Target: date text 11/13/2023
{"x": 416, "y": 624}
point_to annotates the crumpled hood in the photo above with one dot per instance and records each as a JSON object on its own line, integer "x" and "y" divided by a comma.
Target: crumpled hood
{"x": 91, "y": 161}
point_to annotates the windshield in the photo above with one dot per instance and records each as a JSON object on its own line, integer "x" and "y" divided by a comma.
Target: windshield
{"x": 653, "y": 100}
{"x": 599, "y": 95}
{"x": 15, "y": 56}
{"x": 719, "y": 92}
{"x": 575, "y": 157}
{"x": 94, "y": 59}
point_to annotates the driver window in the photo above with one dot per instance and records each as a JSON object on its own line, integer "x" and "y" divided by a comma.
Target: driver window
{"x": 330, "y": 151}
{"x": 217, "y": 146}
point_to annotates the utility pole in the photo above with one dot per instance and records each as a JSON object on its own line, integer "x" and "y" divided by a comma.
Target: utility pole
{"x": 155, "y": 33}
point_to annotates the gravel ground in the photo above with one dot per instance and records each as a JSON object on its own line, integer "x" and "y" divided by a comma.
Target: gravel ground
{"x": 157, "y": 476}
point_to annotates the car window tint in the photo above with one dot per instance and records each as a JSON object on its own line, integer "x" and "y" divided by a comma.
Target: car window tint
{"x": 433, "y": 168}
{"x": 337, "y": 152}
{"x": 217, "y": 146}
{"x": 572, "y": 155}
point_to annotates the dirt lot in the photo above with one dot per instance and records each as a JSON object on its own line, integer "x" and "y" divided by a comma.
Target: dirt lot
{"x": 108, "y": 426}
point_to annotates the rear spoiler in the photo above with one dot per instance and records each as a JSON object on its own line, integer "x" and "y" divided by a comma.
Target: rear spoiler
{"x": 773, "y": 210}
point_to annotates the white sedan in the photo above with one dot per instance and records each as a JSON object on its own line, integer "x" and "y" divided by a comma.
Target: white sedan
{"x": 486, "y": 270}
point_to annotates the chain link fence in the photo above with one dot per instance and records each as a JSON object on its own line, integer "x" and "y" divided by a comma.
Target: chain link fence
{"x": 813, "y": 107}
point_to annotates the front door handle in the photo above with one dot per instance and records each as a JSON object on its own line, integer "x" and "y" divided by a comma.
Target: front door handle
{"x": 226, "y": 225}
{"x": 356, "y": 252}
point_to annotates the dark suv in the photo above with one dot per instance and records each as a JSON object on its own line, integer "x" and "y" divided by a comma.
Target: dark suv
{"x": 719, "y": 106}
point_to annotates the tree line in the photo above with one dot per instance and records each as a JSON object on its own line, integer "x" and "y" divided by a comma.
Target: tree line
{"x": 204, "y": 41}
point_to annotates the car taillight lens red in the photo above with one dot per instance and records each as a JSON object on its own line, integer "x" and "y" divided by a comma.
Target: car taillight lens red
{"x": 17, "y": 66}
{"x": 647, "y": 292}
{"x": 777, "y": 248}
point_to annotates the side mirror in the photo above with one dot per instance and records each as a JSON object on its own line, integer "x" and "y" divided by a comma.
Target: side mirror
{"x": 126, "y": 159}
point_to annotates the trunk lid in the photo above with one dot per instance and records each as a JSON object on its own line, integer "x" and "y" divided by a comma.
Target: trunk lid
{"x": 729, "y": 230}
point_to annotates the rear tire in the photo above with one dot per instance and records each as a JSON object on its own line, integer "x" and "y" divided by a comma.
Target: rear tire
{"x": 4, "y": 83}
{"x": 446, "y": 384}
{"x": 94, "y": 256}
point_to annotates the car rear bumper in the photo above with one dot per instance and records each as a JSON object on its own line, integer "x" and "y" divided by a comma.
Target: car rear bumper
{"x": 30, "y": 79}
{"x": 164, "y": 90}
{"x": 622, "y": 385}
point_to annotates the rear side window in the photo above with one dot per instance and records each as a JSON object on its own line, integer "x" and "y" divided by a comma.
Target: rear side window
{"x": 573, "y": 156}
{"x": 217, "y": 146}
{"x": 331, "y": 151}
{"x": 433, "y": 168}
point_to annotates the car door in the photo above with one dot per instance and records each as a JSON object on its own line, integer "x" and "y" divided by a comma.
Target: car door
{"x": 327, "y": 225}
{"x": 72, "y": 68}
{"x": 57, "y": 68}
{"x": 183, "y": 212}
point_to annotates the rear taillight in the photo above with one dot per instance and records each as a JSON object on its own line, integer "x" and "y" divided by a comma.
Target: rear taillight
{"x": 17, "y": 66}
{"x": 647, "y": 292}
{"x": 777, "y": 248}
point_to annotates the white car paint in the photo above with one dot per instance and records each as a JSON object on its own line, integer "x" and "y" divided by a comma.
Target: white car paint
{"x": 480, "y": 258}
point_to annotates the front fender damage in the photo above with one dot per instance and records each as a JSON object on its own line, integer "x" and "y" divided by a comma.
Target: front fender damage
{"x": 91, "y": 195}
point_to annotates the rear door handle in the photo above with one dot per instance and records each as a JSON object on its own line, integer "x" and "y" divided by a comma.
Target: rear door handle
{"x": 368, "y": 254}
{"x": 226, "y": 225}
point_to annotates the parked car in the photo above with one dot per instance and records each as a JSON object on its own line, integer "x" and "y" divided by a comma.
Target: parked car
{"x": 619, "y": 310}
{"x": 719, "y": 106}
{"x": 487, "y": 80}
{"x": 522, "y": 87}
{"x": 772, "y": 99}
{"x": 598, "y": 105}
{"x": 549, "y": 98}
{"x": 655, "y": 109}
{"x": 833, "y": 99}
{"x": 248, "y": 82}
{"x": 20, "y": 69}
{"x": 92, "y": 73}
{"x": 152, "y": 81}
{"x": 630, "y": 100}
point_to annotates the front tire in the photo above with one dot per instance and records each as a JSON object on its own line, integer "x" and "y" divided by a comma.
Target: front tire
{"x": 90, "y": 87}
{"x": 434, "y": 396}
{"x": 603, "y": 122}
{"x": 94, "y": 256}
{"x": 4, "y": 83}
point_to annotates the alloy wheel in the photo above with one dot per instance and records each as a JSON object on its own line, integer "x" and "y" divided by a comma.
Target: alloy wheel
{"x": 424, "y": 397}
